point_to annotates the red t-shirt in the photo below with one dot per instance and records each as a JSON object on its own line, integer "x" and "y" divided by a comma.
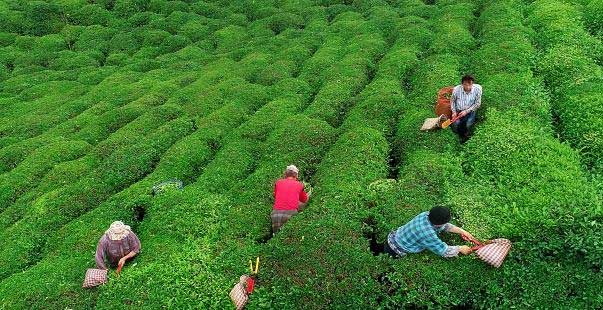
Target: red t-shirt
{"x": 288, "y": 193}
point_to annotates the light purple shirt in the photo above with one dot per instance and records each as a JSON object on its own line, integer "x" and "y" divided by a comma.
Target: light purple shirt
{"x": 114, "y": 250}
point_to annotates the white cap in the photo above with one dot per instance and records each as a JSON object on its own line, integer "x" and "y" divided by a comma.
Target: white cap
{"x": 292, "y": 168}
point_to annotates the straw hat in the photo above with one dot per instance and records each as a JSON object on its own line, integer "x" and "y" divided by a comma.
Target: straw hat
{"x": 118, "y": 230}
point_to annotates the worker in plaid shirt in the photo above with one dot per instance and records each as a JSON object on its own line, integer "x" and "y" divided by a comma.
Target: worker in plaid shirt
{"x": 422, "y": 233}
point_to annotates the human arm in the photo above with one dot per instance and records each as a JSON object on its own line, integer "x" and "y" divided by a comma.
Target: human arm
{"x": 445, "y": 250}
{"x": 452, "y": 103}
{"x": 436, "y": 245}
{"x": 100, "y": 255}
{"x": 463, "y": 249}
{"x": 303, "y": 195}
{"x": 134, "y": 245}
{"x": 478, "y": 100}
{"x": 123, "y": 260}
{"x": 439, "y": 247}
{"x": 457, "y": 230}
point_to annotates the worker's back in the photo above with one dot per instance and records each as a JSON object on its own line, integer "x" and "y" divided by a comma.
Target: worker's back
{"x": 414, "y": 236}
{"x": 288, "y": 193}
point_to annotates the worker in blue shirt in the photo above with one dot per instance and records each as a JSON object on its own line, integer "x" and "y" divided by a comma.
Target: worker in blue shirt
{"x": 422, "y": 233}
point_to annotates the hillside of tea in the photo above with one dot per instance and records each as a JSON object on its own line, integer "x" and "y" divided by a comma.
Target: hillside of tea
{"x": 102, "y": 100}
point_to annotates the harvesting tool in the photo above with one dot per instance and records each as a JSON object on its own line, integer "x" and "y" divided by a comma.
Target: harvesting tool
{"x": 442, "y": 108}
{"x": 252, "y": 275}
{"x": 240, "y": 292}
{"x": 447, "y": 123}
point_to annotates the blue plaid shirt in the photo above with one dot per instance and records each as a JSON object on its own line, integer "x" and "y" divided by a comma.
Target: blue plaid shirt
{"x": 419, "y": 234}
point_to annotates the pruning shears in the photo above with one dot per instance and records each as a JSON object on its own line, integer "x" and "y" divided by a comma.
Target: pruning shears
{"x": 253, "y": 273}
{"x": 447, "y": 123}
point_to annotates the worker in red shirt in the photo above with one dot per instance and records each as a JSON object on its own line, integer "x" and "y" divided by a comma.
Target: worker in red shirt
{"x": 289, "y": 198}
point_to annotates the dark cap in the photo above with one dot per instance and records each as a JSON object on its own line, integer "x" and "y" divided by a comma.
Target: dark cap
{"x": 439, "y": 215}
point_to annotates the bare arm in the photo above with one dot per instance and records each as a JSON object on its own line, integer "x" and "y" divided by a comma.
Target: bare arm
{"x": 130, "y": 255}
{"x": 462, "y": 249}
{"x": 457, "y": 230}
{"x": 134, "y": 243}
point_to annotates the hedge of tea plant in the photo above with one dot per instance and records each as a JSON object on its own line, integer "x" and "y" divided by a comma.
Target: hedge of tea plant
{"x": 571, "y": 68}
{"x": 428, "y": 165}
{"x": 326, "y": 242}
{"x": 593, "y": 19}
{"x": 532, "y": 181}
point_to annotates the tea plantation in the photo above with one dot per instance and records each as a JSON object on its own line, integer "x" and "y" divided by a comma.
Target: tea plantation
{"x": 101, "y": 100}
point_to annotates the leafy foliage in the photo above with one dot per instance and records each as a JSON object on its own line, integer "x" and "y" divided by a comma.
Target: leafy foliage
{"x": 102, "y": 100}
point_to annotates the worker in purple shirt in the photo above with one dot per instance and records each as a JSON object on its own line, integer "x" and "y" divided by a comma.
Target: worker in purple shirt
{"x": 116, "y": 246}
{"x": 464, "y": 102}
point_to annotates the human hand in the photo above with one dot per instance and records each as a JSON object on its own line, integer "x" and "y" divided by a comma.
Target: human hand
{"x": 454, "y": 115}
{"x": 121, "y": 264}
{"x": 463, "y": 113}
{"x": 467, "y": 236}
{"x": 308, "y": 188}
{"x": 465, "y": 250}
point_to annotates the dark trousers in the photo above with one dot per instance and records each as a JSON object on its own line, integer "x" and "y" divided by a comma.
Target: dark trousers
{"x": 388, "y": 250}
{"x": 463, "y": 126}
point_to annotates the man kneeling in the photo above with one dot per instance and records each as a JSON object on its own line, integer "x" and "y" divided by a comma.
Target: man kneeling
{"x": 464, "y": 102}
{"x": 422, "y": 233}
{"x": 289, "y": 198}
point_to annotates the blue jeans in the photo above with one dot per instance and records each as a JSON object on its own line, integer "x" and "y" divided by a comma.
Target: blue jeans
{"x": 463, "y": 126}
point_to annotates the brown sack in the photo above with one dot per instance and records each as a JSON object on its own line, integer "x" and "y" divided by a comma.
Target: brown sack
{"x": 443, "y": 102}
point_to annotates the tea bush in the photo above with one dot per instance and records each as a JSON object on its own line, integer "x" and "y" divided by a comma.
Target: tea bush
{"x": 593, "y": 18}
{"x": 325, "y": 242}
{"x": 570, "y": 66}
